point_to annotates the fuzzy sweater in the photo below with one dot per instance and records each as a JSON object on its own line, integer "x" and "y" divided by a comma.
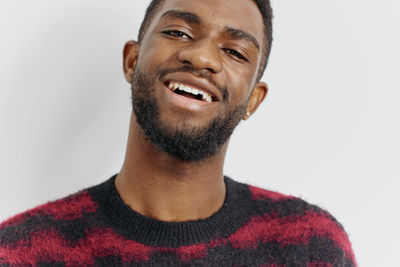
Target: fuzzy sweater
{"x": 254, "y": 227}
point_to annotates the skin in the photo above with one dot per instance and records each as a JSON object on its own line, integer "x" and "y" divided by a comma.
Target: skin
{"x": 151, "y": 181}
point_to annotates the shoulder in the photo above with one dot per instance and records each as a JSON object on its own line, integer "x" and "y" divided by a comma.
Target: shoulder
{"x": 67, "y": 208}
{"x": 293, "y": 222}
{"x": 43, "y": 226}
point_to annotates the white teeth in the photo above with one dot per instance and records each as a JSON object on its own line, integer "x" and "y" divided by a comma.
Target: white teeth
{"x": 175, "y": 85}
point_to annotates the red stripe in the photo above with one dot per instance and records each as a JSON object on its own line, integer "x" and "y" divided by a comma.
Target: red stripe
{"x": 290, "y": 230}
{"x": 70, "y": 208}
{"x": 192, "y": 252}
{"x": 260, "y": 194}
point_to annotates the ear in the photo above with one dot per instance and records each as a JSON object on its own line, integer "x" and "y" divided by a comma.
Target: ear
{"x": 130, "y": 56}
{"x": 256, "y": 98}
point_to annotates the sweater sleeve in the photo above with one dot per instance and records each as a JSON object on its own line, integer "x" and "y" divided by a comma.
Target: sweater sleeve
{"x": 329, "y": 243}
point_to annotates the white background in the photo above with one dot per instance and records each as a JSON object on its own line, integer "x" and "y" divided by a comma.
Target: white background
{"x": 328, "y": 131}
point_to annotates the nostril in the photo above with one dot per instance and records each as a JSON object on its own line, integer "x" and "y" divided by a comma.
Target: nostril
{"x": 211, "y": 70}
{"x": 186, "y": 62}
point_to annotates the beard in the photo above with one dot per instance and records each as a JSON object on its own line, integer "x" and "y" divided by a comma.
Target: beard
{"x": 184, "y": 141}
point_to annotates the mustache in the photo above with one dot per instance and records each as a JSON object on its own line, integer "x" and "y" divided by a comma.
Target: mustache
{"x": 196, "y": 72}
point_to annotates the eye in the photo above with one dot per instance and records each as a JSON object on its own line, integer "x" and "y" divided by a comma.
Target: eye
{"x": 236, "y": 54}
{"x": 177, "y": 34}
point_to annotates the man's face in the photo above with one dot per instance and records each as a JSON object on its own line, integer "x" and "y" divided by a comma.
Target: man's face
{"x": 195, "y": 72}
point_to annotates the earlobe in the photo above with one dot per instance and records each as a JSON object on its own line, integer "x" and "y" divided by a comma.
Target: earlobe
{"x": 130, "y": 56}
{"x": 256, "y": 98}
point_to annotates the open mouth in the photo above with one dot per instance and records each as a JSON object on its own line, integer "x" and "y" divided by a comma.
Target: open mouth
{"x": 190, "y": 91}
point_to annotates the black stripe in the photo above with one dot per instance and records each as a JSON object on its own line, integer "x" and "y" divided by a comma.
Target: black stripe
{"x": 109, "y": 261}
{"x": 285, "y": 208}
{"x": 71, "y": 231}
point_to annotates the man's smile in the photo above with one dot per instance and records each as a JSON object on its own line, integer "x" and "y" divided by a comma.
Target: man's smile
{"x": 190, "y": 93}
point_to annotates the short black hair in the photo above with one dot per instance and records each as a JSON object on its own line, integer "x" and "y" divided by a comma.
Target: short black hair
{"x": 263, "y": 5}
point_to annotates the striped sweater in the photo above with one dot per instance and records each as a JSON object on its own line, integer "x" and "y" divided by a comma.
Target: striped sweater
{"x": 254, "y": 227}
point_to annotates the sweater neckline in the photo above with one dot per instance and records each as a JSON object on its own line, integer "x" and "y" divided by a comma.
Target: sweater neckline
{"x": 149, "y": 231}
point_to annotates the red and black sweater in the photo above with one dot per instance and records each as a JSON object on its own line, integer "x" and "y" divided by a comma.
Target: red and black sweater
{"x": 255, "y": 227}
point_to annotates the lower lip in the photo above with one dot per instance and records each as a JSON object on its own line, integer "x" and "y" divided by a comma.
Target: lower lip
{"x": 186, "y": 103}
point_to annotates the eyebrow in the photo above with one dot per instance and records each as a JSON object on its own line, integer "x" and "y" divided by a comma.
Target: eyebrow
{"x": 192, "y": 18}
{"x": 239, "y": 34}
{"x": 186, "y": 16}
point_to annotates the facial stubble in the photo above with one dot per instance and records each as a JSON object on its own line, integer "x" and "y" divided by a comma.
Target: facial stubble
{"x": 183, "y": 141}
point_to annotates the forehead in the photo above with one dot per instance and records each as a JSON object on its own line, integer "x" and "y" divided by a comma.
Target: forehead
{"x": 239, "y": 14}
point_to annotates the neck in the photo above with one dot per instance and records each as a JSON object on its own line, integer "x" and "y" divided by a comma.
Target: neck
{"x": 166, "y": 188}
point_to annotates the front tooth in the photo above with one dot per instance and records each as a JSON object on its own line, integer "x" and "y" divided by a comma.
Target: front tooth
{"x": 187, "y": 89}
{"x": 207, "y": 99}
{"x": 195, "y": 91}
{"x": 205, "y": 96}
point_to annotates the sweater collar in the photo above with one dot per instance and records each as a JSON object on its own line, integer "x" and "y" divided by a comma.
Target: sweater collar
{"x": 132, "y": 225}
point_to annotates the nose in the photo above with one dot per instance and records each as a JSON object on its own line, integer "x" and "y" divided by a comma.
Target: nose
{"x": 202, "y": 55}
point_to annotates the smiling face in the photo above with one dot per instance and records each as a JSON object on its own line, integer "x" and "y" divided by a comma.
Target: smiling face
{"x": 194, "y": 75}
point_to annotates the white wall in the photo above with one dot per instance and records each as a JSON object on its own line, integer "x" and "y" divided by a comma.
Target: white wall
{"x": 329, "y": 130}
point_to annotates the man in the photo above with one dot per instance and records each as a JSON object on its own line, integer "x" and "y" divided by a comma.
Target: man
{"x": 195, "y": 74}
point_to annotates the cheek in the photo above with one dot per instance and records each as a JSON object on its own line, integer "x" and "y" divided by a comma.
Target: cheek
{"x": 155, "y": 53}
{"x": 241, "y": 82}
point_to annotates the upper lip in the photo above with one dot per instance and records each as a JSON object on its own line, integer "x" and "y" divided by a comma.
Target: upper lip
{"x": 195, "y": 82}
